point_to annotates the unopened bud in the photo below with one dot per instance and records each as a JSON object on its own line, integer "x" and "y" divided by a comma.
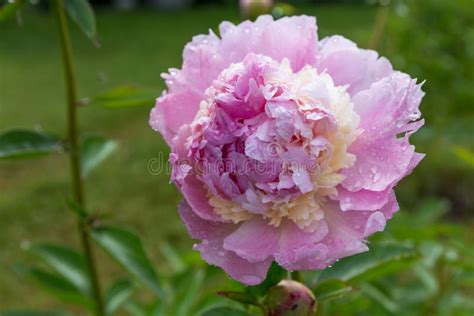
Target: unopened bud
{"x": 253, "y": 8}
{"x": 290, "y": 298}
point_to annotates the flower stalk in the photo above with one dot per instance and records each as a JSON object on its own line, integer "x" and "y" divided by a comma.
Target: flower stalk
{"x": 74, "y": 152}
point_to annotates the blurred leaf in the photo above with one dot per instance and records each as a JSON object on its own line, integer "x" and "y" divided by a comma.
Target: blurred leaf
{"x": 429, "y": 211}
{"x": 94, "y": 150}
{"x": 464, "y": 154}
{"x": 427, "y": 279}
{"x": 59, "y": 287}
{"x": 382, "y": 258}
{"x": 135, "y": 309}
{"x": 173, "y": 258}
{"x": 10, "y": 9}
{"x": 67, "y": 262}
{"x": 125, "y": 96}
{"x": 82, "y": 13}
{"x": 76, "y": 208}
{"x": 241, "y": 297}
{"x": 127, "y": 249}
{"x": 275, "y": 274}
{"x": 186, "y": 299}
{"x": 380, "y": 298}
{"x": 33, "y": 313}
{"x": 117, "y": 295}
{"x": 224, "y": 311}
{"x": 331, "y": 289}
{"x": 20, "y": 143}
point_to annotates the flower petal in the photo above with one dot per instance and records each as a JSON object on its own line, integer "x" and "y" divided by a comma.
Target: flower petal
{"x": 172, "y": 111}
{"x": 349, "y": 65}
{"x": 212, "y": 236}
{"x": 255, "y": 240}
{"x": 293, "y": 38}
{"x": 387, "y": 109}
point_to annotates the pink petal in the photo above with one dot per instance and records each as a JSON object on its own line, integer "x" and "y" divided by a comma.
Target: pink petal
{"x": 389, "y": 108}
{"x": 349, "y": 65}
{"x": 255, "y": 240}
{"x": 172, "y": 111}
{"x": 299, "y": 249}
{"x": 195, "y": 194}
{"x": 362, "y": 200}
{"x": 212, "y": 236}
{"x": 293, "y": 38}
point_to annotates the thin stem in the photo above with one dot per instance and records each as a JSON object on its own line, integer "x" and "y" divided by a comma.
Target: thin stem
{"x": 379, "y": 26}
{"x": 74, "y": 151}
{"x": 296, "y": 276}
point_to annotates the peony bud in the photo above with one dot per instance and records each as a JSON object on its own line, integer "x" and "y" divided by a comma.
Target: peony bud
{"x": 290, "y": 298}
{"x": 253, "y": 8}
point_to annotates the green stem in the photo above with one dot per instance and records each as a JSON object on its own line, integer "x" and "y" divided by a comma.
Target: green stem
{"x": 74, "y": 151}
{"x": 379, "y": 26}
{"x": 296, "y": 276}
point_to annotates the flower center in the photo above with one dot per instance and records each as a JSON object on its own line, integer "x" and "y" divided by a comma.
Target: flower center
{"x": 270, "y": 142}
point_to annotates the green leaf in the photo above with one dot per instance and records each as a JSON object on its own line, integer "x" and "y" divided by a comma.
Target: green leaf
{"x": 76, "y": 208}
{"x": 21, "y": 143}
{"x": 117, "y": 295}
{"x": 187, "y": 296}
{"x": 82, "y": 13}
{"x": 94, "y": 150}
{"x": 224, "y": 311}
{"x": 10, "y": 9}
{"x": 33, "y": 313}
{"x": 464, "y": 154}
{"x": 125, "y": 96}
{"x": 241, "y": 297}
{"x": 331, "y": 289}
{"x": 380, "y": 298}
{"x": 59, "y": 287}
{"x": 67, "y": 262}
{"x": 275, "y": 274}
{"x": 136, "y": 309}
{"x": 173, "y": 257}
{"x": 382, "y": 258}
{"x": 127, "y": 249}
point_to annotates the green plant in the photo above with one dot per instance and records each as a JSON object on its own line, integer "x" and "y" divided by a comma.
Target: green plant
{"x": 75, "y": 278}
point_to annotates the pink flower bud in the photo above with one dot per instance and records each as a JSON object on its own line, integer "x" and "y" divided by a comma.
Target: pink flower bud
{"x": 290, "y": 298}
{"x": 254, "y": 8}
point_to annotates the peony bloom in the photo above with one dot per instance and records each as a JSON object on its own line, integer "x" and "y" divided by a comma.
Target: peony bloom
{"x": 284, "y": 147}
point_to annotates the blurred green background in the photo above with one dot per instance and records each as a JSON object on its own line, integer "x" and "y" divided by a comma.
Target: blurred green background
{"x": 432, "y": 40}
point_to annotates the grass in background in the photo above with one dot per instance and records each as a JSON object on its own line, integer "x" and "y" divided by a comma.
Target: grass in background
{"x": 135, "y": 48}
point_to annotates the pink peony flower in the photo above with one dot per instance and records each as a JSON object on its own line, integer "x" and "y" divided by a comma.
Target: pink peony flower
{"x": 284, "y": 147}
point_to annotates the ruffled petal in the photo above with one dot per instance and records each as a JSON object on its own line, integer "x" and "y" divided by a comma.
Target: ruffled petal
{"x": 173, "y": 111}
{"x": 196, "y": 195}
{"x": 362, "y": 200}
{"x": 212, "y": 237}
{"x": 202, "y": 61}
{"x": 389, "y": 114}
{"x": 254, "y": 240}
{"x": 300, "y": 250}
{"x": 349, "y": 65}
{"x": 293, "y": 38}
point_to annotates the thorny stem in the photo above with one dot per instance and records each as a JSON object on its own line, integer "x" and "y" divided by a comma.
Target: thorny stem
{"x": 74, "y": 152}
